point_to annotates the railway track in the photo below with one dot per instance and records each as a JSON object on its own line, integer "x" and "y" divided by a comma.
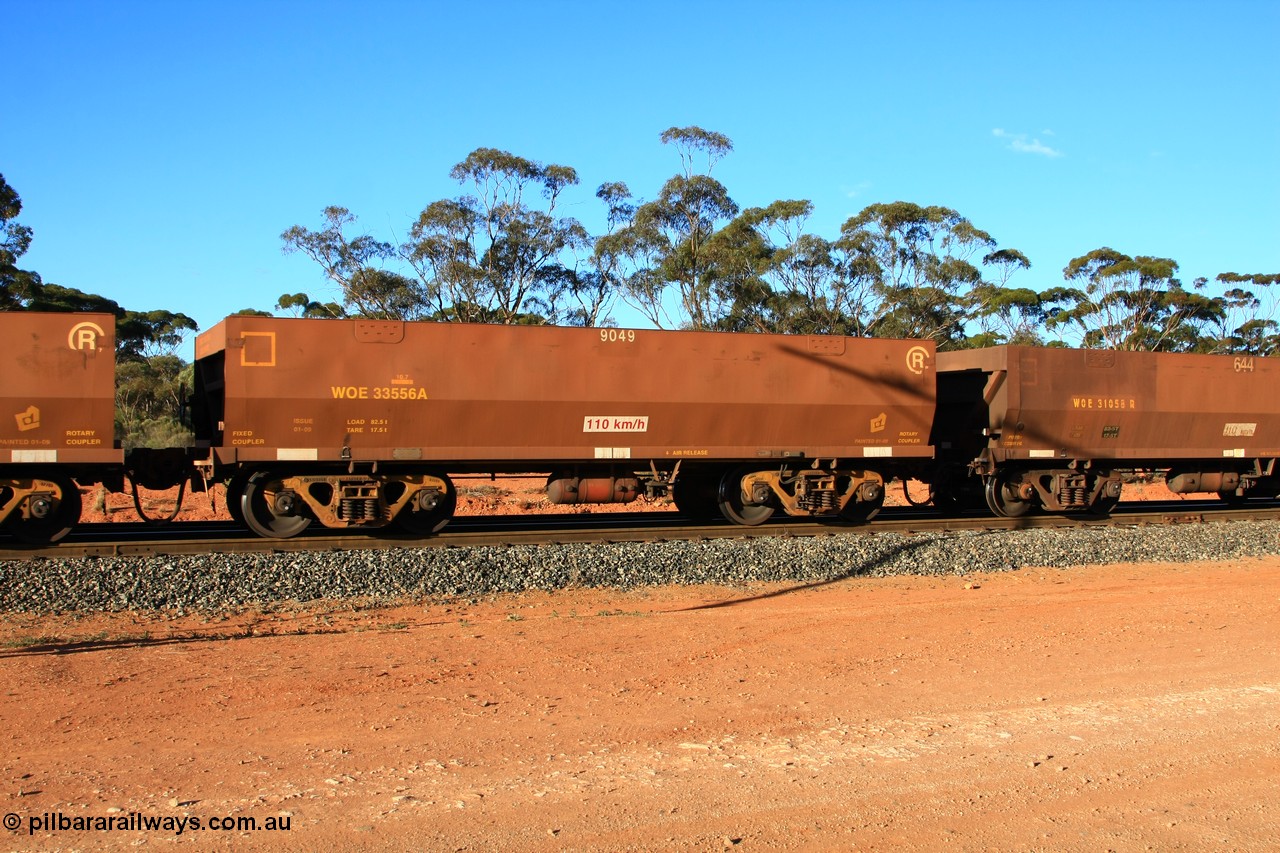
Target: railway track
{"x": 142, "y": 540}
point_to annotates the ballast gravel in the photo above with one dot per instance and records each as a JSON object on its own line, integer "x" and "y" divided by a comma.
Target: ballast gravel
{"x": 218, "y": 582}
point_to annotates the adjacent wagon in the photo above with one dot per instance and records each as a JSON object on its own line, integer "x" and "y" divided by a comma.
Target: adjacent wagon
{"x": 57, "y": 390}
{"x": 1060, "y": 428}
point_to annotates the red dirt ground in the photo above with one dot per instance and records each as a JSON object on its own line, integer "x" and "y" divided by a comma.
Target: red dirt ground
{"x": 1108, "y": 707}
{"x": 1104, "y": 707}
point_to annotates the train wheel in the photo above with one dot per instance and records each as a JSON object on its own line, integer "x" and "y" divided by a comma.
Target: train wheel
{"x": 732, "y": 505}
{"x": 50, "y": 519}
{"x": 1002, "y": 501}
{"x": 263, "y": 513}
{"x": 425, "y": 521}
{"x": 695, "y": 496}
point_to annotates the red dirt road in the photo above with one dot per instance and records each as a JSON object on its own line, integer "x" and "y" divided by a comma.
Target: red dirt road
{"x": 1118, "y": 707}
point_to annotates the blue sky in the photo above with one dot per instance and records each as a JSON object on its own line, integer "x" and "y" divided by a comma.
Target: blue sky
{"x": 160, "y": 148}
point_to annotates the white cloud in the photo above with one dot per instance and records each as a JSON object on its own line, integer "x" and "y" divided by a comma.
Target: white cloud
{"x": 1034, "y": 146}
{"x": 1024, "y": 144}
{"x": 855, "y": 190}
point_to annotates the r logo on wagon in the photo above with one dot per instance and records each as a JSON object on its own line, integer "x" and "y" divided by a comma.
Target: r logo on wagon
{"x": 917, "y": 360}
{"x": 84, "y": 336}
{"x": 615, "y": 423}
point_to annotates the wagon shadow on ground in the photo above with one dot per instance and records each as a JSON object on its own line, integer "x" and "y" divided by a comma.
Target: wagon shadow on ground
{"x": 268, "y": 628}
{"x": 40, "y": 646}
{"x": 863, "y": 570}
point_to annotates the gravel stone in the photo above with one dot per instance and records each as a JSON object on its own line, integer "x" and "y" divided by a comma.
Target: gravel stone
{"x": 218, "y": 582}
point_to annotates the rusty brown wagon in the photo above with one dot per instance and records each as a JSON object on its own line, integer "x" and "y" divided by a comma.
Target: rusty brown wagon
{"x": 57, "y": 390}
{"x": 1060, "y": 428}
{"x": 355, "y": 422}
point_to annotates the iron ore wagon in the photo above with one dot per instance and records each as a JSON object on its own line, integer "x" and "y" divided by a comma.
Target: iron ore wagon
{"x": 1058, "y": 428}
{"x": 57, "y": 390}
{"x": 357, "y": 423}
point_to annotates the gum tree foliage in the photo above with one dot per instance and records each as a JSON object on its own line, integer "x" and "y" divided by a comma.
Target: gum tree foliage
{"x": 15, "y": 284}
{"x": 302, "y": 305}
{"x": 150, "y": 394}
{"x": 915, "y": 265}
{"x": 151, "y": 380}
{"x": 782, "y": 279}
{"x": 742, "y": 256}
{"x": 592, "y": 287}
{"x": 666, "y": 245}
{"x": 1002, "y": 314}
{"x": 1249, "y": 323}
{"x": 899, "y": 269}
{"x": 495, "y": 255}
{"x": 824, "y": 288}
{"x": 809, "y": 293}
{"x": 690, "y": 257}
{"x": 1132, "y": 303}
{"x": 353, "y": 264}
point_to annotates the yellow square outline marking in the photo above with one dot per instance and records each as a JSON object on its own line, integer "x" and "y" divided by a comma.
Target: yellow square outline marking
{"x": 244, "y": 362}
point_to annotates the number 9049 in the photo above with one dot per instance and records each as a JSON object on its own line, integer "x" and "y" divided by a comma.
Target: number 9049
{"x": 617, "y": 336}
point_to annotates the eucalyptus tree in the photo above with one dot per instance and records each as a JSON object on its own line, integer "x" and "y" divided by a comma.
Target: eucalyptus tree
{"x": 592, "y": 286}
{"x": 495, "y": 255}
{"x": 916, "y": 262}
{"x": 354, "y": 264}
{"x": 302, "y": 305}
{"x": 1133, "y": 303}
{"x": 16, "y": 284}
{"x": 783, "y": 279}
{"x": 42, "y": 296}
{"x": 740, "y": 257}
{"x": 143, "y": 335}
{"x": 1002, "y": 314}
{"x": 150, "y": 395}
{"x": 813, "y": 293}
{"x": 1250, "y": 322}
{"x": 665, "y": 247}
